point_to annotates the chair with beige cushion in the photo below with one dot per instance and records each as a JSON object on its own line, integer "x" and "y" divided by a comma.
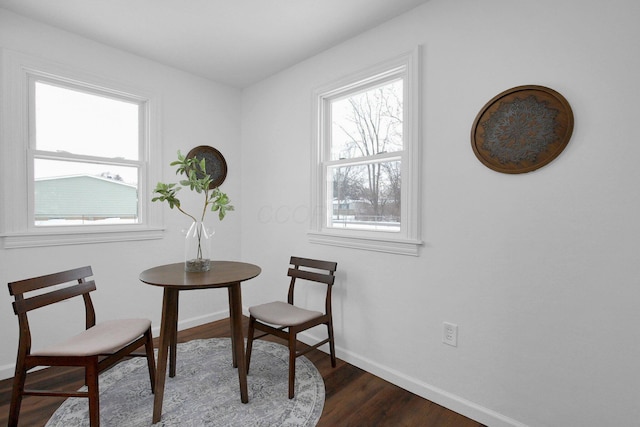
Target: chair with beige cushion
{"x": 286, "y": 320}
{"x": 96, "y": 349}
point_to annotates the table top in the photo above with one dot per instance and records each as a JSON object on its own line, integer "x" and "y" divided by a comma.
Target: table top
{"x": 221, "y": 274}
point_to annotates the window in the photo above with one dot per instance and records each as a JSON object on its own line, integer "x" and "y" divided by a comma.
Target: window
{"x": 85, "y": 151}
{"x": 79, "y": 169}
{"x": 366, "y": 167}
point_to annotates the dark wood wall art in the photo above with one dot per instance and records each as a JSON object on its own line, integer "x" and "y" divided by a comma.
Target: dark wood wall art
{"x": 216, "y": 165}
{"x": 522, "y": 129}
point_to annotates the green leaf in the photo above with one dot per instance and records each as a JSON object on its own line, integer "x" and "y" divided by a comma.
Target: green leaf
{"x": 196, "y": 179}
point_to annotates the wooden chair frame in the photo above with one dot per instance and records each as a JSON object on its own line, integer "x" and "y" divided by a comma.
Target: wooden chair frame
{"x": 93, "y": 364}
{"x": 289, "y": 333}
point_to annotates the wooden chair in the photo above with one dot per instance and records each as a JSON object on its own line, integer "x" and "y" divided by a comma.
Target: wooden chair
{"x": 285, "y": 320}
{"x": 97, "y": 348}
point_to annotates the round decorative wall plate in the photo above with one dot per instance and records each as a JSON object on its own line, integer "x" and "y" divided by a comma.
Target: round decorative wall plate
{"x": 522, "y": 129}
{"x": 215, "y": 164}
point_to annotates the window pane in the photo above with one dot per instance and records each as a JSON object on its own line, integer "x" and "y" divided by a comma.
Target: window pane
{"x": 366, "y": 196}
{"x": 367, "y": 123}
{"x": 71, "y": 193}
{"x": 82, "y": 123}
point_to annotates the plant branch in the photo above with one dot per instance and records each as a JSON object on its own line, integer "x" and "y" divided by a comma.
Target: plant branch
{"x": 196, "y": 180}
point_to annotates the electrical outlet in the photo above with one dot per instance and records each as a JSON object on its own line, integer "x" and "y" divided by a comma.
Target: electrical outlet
{"x": 450, "y": 334}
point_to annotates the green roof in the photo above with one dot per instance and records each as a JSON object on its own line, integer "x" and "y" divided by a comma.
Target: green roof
{"x": 84, "y": 196}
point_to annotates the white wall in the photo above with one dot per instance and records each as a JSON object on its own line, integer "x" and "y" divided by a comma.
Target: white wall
{"x": 540, "y": 271}
{"x": 195, "y": 112}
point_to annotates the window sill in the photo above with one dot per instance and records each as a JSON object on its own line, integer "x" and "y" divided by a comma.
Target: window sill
{"x": 392, "y": 246}
{"x": 60, "y": 237}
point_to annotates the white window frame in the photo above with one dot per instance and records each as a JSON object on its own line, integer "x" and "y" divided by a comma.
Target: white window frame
{"x": 408, "y": 240}
{"x": 17, "y": 227}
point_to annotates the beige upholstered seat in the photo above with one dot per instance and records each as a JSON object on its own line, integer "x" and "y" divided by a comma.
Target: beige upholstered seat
{"x": 285, "y": 320}
{"x": 103, "y": 338}
{"x": 280, "y": 313}
{"x": 96, "y": 349}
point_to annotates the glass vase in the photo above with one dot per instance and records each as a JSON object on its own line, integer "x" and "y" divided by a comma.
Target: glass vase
{"x": 197, "y": 248}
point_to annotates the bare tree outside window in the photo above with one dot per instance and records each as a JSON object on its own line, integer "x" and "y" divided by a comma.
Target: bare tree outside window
{"x": 366, "y": 158}
{"x": 366, "y": 146}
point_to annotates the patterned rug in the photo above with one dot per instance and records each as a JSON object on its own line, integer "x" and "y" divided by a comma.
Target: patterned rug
{"x": 205, "y": 391}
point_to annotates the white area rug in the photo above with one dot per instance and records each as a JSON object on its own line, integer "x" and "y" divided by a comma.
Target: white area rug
{"x": 205, "y": 391}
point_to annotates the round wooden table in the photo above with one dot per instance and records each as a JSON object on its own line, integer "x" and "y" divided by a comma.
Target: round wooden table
{"x": 173, "y": 278}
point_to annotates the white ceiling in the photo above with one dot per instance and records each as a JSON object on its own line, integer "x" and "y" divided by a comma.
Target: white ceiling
{"x": 236, "y": 42}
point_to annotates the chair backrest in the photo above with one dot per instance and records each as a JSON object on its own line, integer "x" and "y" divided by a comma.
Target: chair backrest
{"x": 22, "y": 305}
{"x": 312, "y": 270}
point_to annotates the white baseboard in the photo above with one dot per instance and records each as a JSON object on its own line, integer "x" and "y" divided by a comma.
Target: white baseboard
{"x": 7, "y": 371}
{"x": 441, "y": 397}
{"x": 195, "y": 321}
{"x": 434, "y": 394}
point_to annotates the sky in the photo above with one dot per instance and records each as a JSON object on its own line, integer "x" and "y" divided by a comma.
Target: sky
{"x": 84, "y": 125}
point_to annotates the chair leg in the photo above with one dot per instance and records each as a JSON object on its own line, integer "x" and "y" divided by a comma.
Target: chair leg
{"x": 250, "y": 332}
{"x": 91, "y": 380}
{"x": 151, "y": 360}
{"x": 16, "y": 394}
{"x": 292, "y": 364}
{"x": 332, "y": 344}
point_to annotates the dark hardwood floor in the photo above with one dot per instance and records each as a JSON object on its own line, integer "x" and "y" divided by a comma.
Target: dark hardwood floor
{"x": 353, "y": 397}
